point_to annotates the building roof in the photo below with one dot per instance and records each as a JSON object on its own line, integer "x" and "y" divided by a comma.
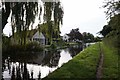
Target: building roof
{"x": 38, "y": 35}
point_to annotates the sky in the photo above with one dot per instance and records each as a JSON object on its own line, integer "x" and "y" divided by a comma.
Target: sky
{"x": 87, "y": 15}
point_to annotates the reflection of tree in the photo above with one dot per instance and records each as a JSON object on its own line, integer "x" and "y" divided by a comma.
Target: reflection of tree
{"x": 26, "y": 75}
{"x": 39, "y": 75}
{"x": 6, "y": 64}
{"x": 3, "y": 65}
{"x": 74, "y": 50}
{"x": 32, "y": 74}
{"x": 20, "y": 72}
{"x": 51, "y": 59}
{"x": 55, "y": 59}
{"x": 47, "y": 57}
{"x": 21, "y": 57}
{"x": 13, "y": 73}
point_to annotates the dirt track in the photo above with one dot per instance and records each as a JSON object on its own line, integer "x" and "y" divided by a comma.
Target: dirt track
{"x": 100, "y": 64}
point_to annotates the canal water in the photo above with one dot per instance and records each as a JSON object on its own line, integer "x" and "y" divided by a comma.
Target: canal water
{"x": 36, "y": 65}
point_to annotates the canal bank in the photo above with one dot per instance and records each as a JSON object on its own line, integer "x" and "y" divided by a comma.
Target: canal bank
{"x": 84, "y": 64}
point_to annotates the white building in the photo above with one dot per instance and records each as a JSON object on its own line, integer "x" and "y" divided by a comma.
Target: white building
{"x": 66, "y": 38}
{"x": 39, "y": 37}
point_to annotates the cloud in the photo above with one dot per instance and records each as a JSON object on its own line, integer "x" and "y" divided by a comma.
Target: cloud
{"x": 85, "y": 14}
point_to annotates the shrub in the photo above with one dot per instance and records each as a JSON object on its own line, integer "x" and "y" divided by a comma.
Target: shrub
{"x": 22, "y": 48}
{"x": 33, "y": 46}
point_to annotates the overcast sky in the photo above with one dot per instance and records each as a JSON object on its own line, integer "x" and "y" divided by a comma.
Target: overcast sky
{"x": 83, "y": 14}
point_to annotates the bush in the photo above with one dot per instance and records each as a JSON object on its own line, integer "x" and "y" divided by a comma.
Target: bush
{"x": 53, "y": 46}
{"x": 33, "y": 46}
{"x": 22, "y": 48}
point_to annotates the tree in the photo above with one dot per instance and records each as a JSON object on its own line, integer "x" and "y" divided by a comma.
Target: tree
{"x": 113, "y": 8}
{"x": 111, "y": 31}
{"x": 5, "y": 13}
{"x": 58, "y": 18}
{"x": 106, "y": 29}
{"x": 24, "y": 14}
{"x": 75, "y": 35}
{"x": 88, "y": 37}
{"x": 53, "y": 27}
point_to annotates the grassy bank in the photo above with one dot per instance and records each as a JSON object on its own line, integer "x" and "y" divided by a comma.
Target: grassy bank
{"x": 84, "y": 65}
{"x": 110, "y": 64}
{"x": 81, "y": 66}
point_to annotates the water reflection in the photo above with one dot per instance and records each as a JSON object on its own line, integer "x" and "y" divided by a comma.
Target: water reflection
{"x": 28, "y": 66}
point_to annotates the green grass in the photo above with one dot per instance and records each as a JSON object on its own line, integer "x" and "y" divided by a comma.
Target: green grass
{"x": 110, "y": 64}
{"x": 82, "y": 65}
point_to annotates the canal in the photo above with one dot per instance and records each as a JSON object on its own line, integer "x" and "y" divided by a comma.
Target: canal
{"x": 36, "y": 65}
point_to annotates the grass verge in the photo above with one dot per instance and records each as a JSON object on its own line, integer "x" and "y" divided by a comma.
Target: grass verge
{"x": 81, "y": 66}
{"x": 110, "y": 64}
{"x": 84, "y": 64}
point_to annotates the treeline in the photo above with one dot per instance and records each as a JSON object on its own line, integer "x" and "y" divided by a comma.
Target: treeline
{"x": 85, "y": 37}
{"x": 111, "y": 31}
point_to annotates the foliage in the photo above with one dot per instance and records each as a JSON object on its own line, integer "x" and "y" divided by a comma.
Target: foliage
{"x": 96, "y": 39}
{"x": 88, "y": 37}
{"x": 24, "y": 14}
{"x": 5, "y": 42}
{"x": 75, "y": 35}
{"x": 113, "y": 7}
{"x": 111, "y": 31}
{"x": 17, "y": 48}
{"x": 5, "y": 13}
{"x": 48, "y": 31}
{"x": 58, "y": 44}
{"x": 53, "y": 46}
{"x": 33, "y": 46}
{"x": 106, "y": 30}
{"x": 53, "y": 27}
{"x": 58, "y": 18}
{"x": 19, "y": 11}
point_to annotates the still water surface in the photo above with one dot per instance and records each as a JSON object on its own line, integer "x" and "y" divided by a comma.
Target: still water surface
{"x": 34, "y": 64}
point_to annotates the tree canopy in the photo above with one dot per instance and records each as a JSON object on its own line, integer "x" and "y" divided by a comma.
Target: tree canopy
{"x": 75, "y": 35}
{"x": 24, "y": 14}
{"x": 88, "y": 37}
{"x": 111, "y": 31}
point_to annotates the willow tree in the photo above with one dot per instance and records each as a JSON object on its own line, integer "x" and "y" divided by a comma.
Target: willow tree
{"x": 58, "y": 17}
{"x": 53, "y": 9}
{"x": 48, "y": 8}
{"x": 24, "y": 14}
{"x": 5, "y": 13}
